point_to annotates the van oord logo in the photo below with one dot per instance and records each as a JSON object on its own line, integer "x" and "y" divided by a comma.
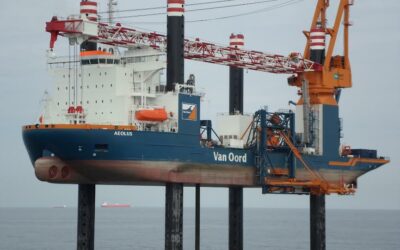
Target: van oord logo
{"x": 189, "y": 111}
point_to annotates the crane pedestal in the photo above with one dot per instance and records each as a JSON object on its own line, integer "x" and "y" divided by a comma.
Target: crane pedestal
{"x": 86, "y": 215}
{"x": 173, "y": 216}
{"x": 317, "y": 222}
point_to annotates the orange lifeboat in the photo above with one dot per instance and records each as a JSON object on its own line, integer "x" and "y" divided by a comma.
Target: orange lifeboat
{"x": 95, "y": 53}
{"x": 151, "y": 115}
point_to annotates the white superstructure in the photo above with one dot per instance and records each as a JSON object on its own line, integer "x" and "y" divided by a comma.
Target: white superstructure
{"x": 233, "y": 130}
{"x": 104, "y": 87}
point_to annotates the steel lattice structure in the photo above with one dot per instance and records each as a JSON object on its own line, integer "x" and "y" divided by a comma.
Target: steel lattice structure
{"x": 196, "y": 49}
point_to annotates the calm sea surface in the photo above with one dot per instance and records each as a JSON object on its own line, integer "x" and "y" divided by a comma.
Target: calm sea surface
{"x": 143, "y": 228}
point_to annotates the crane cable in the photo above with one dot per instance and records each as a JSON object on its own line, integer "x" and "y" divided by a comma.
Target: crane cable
{"x": 163, "y": 7}
{"x": 201, "y": 9}
{"x": 270, "y": 8}
{"x": 277, "y": 6}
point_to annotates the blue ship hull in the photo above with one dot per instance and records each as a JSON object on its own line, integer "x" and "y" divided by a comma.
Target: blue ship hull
{"x": 108, "y": 156}
{"x": 112, "y": 155}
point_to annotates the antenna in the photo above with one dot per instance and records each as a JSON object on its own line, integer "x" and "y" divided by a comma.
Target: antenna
{"x": 111, "y": 9}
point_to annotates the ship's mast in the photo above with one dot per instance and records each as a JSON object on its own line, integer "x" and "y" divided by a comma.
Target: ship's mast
{"x": 111, "y": 9}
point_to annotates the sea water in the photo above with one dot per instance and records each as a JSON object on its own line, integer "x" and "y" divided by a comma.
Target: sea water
{"x": 143, "y": 228}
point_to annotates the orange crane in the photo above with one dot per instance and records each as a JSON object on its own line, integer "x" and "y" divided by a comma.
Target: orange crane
{"x": 336, "y": 70}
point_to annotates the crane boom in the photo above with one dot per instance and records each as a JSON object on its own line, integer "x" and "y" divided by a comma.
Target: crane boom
{"x": 193, "y": 49}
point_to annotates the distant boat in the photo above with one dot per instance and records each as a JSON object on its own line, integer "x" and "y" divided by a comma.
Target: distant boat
{"x": 62, "y": 206}
{"x": 114, "y": 205}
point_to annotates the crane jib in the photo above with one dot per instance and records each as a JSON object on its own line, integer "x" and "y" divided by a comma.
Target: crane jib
{"x": 193, "y": 49}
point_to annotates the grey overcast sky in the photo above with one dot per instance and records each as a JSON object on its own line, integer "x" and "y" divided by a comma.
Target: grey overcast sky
{"x": 370, "y": 109}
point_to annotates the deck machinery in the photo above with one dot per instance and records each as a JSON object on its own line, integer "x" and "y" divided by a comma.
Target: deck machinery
{"x": 151, "y": 132}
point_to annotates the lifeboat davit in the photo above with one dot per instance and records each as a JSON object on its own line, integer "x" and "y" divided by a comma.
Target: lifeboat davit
{"x": 151, "y": 115}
